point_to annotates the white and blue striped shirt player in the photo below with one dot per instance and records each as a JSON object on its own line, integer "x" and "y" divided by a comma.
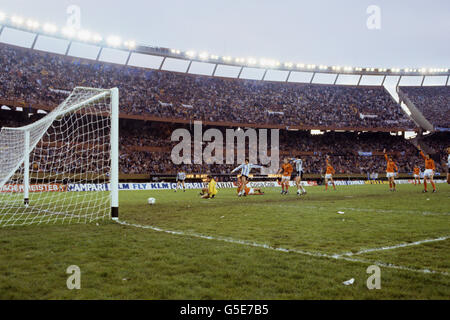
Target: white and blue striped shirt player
{"x": 181, "y": 176}
{"x": 299, "y": 175}
{"x": 298, "y": 165}
{"x": 246, "y": 168}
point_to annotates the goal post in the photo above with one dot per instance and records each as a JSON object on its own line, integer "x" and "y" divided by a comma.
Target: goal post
{"x": 65, "y": 166}
{"x": 26, "y": 169}
{"x": 115, "y": 154}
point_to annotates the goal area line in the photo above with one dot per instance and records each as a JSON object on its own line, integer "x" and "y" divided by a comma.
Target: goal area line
{"x": 344, "y": 257}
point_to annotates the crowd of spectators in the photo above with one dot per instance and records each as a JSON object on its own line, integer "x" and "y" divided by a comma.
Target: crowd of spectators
{"x": 41, "y": 79}
{"x": 145, "y": 148}
{"x": 433, "y": 102}
{"x": 351, "y": 152}
{"x": 38, "y": 78}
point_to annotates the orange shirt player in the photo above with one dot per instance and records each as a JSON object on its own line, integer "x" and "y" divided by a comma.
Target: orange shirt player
{"x": 287, "y": 170}
{"x": 428, "y": 174}
{"x": 390, "y": 171}
{"x": 329, "y": 174}
{"x": 416, "y": 173}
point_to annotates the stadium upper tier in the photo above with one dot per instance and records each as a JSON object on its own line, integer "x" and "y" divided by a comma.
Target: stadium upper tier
{"x": 432, "y": 102}
{"x": 41, "y": 80}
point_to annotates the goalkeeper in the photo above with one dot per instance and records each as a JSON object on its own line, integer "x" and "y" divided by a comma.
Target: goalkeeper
{"x": 211, "y": 191}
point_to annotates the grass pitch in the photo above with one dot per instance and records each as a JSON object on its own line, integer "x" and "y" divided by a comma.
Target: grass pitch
{"x": 255, "y": 247}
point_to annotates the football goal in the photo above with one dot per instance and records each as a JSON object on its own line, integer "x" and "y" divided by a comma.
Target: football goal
{"x": 63, "y": 168}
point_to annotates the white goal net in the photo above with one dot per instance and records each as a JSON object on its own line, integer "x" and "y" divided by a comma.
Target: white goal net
{"x": 64, "y": 167}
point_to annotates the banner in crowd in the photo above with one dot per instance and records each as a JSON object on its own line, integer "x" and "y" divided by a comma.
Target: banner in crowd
{"x": 19, "y": 188}
{"x": 61, "y": 91}
{"x": 370, "y": 116}
{"x": 89, "y": 187}
{"x": 365, "y": 154}
{"x": 173, "y": 186}
{"x": 220, "y": 185}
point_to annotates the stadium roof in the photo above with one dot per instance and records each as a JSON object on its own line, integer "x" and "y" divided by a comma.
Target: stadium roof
{"x": 113, "y": 49}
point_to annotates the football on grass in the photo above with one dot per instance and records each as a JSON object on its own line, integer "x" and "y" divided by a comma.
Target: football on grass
{"x": 151, "y": 200}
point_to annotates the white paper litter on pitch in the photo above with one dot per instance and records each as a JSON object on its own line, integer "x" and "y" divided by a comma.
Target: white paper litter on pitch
{"x": 341, "y": 212}
{"x": 349, "y": 282}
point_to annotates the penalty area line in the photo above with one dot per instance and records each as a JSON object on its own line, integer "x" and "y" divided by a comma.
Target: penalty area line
{"x": 401, "y": 245}
{"x": 266, "y": 246}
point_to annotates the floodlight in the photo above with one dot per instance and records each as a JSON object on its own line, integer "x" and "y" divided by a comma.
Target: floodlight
{"x": 114, "y": 41}
{"x": 31, "y": 24}
{"x": 84, "y": 35}
{"x": 97, "y": 38}
{"x": 130, "y": 44}
{"x": 50, "y": 28}
{"x": 68, "y": 32}
{"x": 191, "y": 54}
{"x": 203, "y": 55}
{"x": 17, "y": 20}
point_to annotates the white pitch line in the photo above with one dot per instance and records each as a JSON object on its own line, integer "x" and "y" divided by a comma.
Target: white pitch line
{"x": 381, "y": 210}
{"x": 266, "y": 246}
{"x": 402, "y": 245}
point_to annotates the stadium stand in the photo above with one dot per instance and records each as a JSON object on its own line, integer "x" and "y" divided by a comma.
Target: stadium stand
{"x": 433, "y": 102}
{"x": 168, "y": 100}
{"x": 42, "y": 80}
{"x": 145, "y": 148}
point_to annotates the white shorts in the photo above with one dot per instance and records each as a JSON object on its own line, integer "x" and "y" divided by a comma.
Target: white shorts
{"x": 390, "y": 174}
{"x": 428, "y": 173}
{"x": 328, "y": 176}
{"x": 251, "y": 191}
{"x": 286, "y": 178}
{"x": 417, "y": 176}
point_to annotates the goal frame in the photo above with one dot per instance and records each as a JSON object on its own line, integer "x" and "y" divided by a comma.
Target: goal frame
{"x": 114, "y": 140}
